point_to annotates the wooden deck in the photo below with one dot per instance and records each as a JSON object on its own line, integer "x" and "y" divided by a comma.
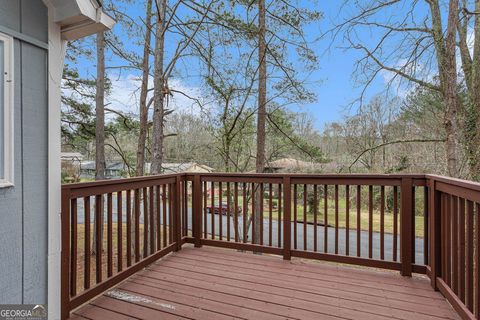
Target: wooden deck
{"x": 211, "y": 283}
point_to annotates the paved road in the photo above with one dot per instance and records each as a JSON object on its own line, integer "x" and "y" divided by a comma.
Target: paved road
{"x": 320, "y": 237}
{"x": 300, "y": 231}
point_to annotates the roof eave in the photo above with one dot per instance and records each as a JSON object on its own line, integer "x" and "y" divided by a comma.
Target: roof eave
{"x": 81, "y": 18}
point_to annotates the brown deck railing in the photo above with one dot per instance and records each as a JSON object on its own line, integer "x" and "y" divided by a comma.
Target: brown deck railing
{"x": 410, "y": 223}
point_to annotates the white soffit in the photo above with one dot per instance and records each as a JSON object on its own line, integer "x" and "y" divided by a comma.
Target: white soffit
{"x": 81, "y": 18}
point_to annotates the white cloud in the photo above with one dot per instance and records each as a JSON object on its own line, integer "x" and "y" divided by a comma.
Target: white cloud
{"x": 125, "y": 95}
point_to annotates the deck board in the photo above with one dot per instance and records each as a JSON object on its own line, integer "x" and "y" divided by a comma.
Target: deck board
{"x": 213, "y": 283}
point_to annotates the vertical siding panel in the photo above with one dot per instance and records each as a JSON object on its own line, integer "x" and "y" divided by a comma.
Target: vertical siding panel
{"x": 35, "y": 170}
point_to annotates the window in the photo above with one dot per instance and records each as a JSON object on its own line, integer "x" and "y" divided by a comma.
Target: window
{"x": 6, "y": 110}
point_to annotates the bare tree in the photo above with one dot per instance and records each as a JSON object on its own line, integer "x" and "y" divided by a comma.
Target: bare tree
{"x": 142, "y": 136}
{"x": 100, "y": 129}
{"x": 159, "y": 89}
{"x": 261, "y": 116}
{"x": 410, "y": 49}
{"x": 470, "y": 19}
{"x": 100, "y": 109}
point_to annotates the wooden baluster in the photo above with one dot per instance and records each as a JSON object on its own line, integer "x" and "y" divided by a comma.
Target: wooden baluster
{"x": 287, "y": 227}
{"x": 109, "y": 235}
{"x": 158, "y": 206}
{"x": 477, "y": 260}
{"x": 98, "y": 237}
{"x": 228, "y": 211}
{"x": 129, "y": 228}
{"x": 137, "y": 224}
{"x": 151, "y": 194}
{"x": 205, "y": 215}
{"x": 382, "y": 223}
{"x": 455, "y": 245}
{"x": 220, "y": 213}
{"x": 336, "y": 219}
{"x": 395, "y": 223}
{"x": 406, "y": 226}
{"x": 261, "y": 213}
{"x": 279, "y": 213}
{"x": 73, "y": 248}
{"x": 86, "y": 244}
{"x": 185, "y": 208}
{"x": 469, "y": 259}
{"x": 253, "y": 213}
{"x": 461, "y": 243}
{"x": 413, "y": 233}
{"x": 270, "y": 214}
{"x": 212, "y": 210}
{"x": 65, "y": 281}
{"x": 444, "y": 237}
{"x": 235, "y": 223}
{"x": 426, "y": 226}
{"x": 170, "y": 211}
{"x": 119, "y": 232}
{"x": 295, "y": 216}
{"x": 315, "y": 214}
{"x": 145, "y": 222}
{"x": 244, "y": 209}
{"x": 359, "y": 221}
{"x": 325, "y": 219}
{"x": 435, "y": 226}
{"x": 177, "y": 212}
{"x": 448, "y": 240}
{"x": 347, "y": 220}
{"x": 370, "y": 221}
{"x": 164, "y": 215}
{"x": 197, "y": 206}
{"x": 305, "y": 209}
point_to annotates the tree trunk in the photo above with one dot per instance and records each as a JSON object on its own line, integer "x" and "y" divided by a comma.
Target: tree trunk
{"x": 159, "y": 92}
{"x": 450, "y": 90}
{"x": 142, "y": 137}
{"x": 261, "y": 116}
{"x": 99, "y": 127}
{"x": 447, "y": 70}
{"x": 475, "y": 93}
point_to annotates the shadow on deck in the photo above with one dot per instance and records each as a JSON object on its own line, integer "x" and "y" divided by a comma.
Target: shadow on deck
{"x": 214, "y": 283}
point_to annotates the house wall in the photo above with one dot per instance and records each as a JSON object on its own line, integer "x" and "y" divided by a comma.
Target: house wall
{"x": 23, "y": 208}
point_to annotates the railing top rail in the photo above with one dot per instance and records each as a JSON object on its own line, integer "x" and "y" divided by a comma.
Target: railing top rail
{"x": 112, "y": 182}
{"x": 310, "y": 175}
{"x": 455, "y": 182}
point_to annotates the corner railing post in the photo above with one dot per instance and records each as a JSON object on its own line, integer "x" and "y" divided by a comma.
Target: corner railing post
{"x": 434, "y": 215}
{"x": 65, "y": 256}
{"x": 287, "y": 193}
{"x": 406, "y": 225}
{"x": 177, "y": 219}
{"x": 197, "y": 210}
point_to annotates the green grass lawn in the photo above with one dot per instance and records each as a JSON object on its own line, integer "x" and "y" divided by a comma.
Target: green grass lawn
{"x": 364, "y": 219}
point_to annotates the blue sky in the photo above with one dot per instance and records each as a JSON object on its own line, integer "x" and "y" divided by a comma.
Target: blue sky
{"x": 332, "y": 82}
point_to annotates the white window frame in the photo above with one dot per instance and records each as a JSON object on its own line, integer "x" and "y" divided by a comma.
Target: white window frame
{"x": 8, "y": 133}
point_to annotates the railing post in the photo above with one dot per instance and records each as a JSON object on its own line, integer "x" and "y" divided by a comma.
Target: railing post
{"x": 434, "y": 215}
{"x": 197, "y": 210}
{"x": 177, "y": 220}
{"x": 406, "y": 225}
{"x": 287, "y": 205}
{"x": 65, "y": 256}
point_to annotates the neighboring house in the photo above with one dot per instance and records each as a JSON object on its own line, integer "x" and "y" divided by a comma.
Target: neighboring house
{"x": 290, "y": 165}
{"x": 33, "y": 35}
{"x": 181, "y": 167}
{"x": 113, "y": 169}
{"x": 71, "y": 156}
{"x": 71, "y": 166}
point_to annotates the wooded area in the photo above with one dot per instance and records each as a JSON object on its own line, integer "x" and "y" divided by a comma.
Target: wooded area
{"x": 251, "y": 61}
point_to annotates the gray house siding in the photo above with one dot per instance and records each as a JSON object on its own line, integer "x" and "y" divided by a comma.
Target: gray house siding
{"x": 23, "y": 208}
